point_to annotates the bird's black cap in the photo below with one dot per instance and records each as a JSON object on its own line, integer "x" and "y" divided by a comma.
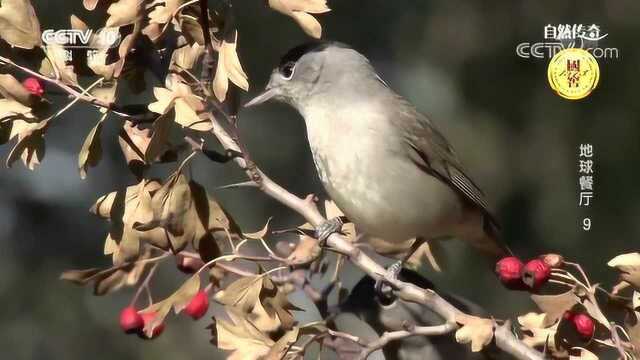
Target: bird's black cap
{"x": 297, "y": 52}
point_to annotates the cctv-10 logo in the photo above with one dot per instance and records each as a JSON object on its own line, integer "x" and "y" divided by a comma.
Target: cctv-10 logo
{"x": 88, "y": 39}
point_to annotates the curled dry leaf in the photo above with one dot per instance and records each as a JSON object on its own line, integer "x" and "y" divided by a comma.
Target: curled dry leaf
{"x": 91, "y": 151}
{"x": 108, "y": 280}
{"x": 106, "y": 92}
{"x": 59, "y": 67}
{"x": 242, "y": 338}
{"x": 186, "y": 56}
{"x": 158, "y": 144}
{"x": 91, "y": 4}
{"x": 425, "y": 251}
{"x": 259, "y": 235}
{"x": 11, "y": 112}
{"x": 629, "y": 267}
{"x": 134, "y": 143}
{"x": 578, "y": 353}
{"x": 300, "y": 11}
{"x": 188, "y": 215}
{"x": 30, "y": 146}
{"x": 77, "y": 23}
{"x": 123, "y": 209}
{"x": 306, "y": 251}
{"x": 282, "y": 346}
{"x": 554, "y": 306}
{"x": 229, "y": 69}
{"x": 124, "y": 12}
{"x": 178, "y": 301}
{"x": 12, "y": 89}
{"x": 100, "y": 62}
{"x": 186, "y": 104}
{"x": 258, "y": 299}
{"x": 536, "y": 333}
{"x": 632, "y": 326}
{"x": 164, "y": 11}
{"x": 19, "y": 24}
{"x": 474, "y": 330}
{"x": 170, "y": 205}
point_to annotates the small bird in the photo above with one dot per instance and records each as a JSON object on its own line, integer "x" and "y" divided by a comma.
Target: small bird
{"x": 385, "y": 165}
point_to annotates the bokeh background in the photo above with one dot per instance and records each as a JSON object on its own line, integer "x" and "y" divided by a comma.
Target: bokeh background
{"x": 454, "y": 60}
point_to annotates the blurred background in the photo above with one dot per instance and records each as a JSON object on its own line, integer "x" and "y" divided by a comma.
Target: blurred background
{"x": 454, "y": 60}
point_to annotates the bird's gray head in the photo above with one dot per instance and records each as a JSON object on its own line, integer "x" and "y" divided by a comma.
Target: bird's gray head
{"x": 310, "y": 69}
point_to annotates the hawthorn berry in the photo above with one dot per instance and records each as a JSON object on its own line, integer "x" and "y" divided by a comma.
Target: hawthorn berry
{"x": 536, "y": 273}
{"x": 509, "y": 270}
{"x": 188, "y": 265}
{"x": 34, "y": 86}
{"x": 585, "y": 326}
{"x": 198, "y": 305}
{"x": 148, "y": 317}
{"x": 130, "y": 321}
{"x": 552, "y": 260}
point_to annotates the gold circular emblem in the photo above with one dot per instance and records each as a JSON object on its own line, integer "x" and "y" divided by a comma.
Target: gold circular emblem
{"x": 573, "y": 73}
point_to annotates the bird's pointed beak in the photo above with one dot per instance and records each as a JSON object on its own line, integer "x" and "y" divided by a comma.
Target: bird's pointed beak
{"x": 265, "y": 96}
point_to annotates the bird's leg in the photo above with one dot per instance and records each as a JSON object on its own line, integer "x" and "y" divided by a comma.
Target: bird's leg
{"x": 383, "y": 290}
{"x": 328, "y": 227}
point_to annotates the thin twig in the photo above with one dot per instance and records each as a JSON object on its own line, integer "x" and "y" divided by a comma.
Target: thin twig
{"x": 388, "y": 337}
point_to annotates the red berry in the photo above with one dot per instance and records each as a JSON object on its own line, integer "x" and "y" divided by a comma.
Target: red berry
{"x": 188, "y": 265}
{"x": 536, "y": 273}
{"x": 147, "y": 317}
{"x": 552, "y": 260}
{"x": 33, "y": 85}
{"x": 130, "y": 320}
{"x": 509, "y": 270}
{"x": 198, "y": 306}
{"x": 584, "y": 325}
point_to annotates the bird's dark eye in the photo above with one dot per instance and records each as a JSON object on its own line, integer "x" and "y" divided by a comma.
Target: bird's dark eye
{"x": 287, "y": 69}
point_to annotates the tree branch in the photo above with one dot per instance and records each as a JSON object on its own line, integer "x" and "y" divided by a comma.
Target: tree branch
{"x": 390, "y": 336}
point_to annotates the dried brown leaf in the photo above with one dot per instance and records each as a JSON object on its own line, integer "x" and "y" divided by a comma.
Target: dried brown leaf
{"x": 124, "y": 12}
{"x": 12, "y": 89}
{"x": 282, "y": 346}
{"x": 19, "y": 24}
{"x": 229, "y": 69}
{"x": 187, "y": 106}
{"x": 91, "y": 151}
{"x": 307, "y": 250}
{"x": 242, "y": 294}
{"x": 57, "y": 54}
{"x": 554, "y": 306}
{"x": 536, "y": 333}
{"x": 579, "y": 353}
{"x": 300, "y": 11}
{"x": 474, "y": 330}
{"x": 30, "y": 146}
{"x": 629, "y": 267}
{"x": 186, "y": 56}
{"x": 242, "y": 338}
{"x": 163, "y": 13}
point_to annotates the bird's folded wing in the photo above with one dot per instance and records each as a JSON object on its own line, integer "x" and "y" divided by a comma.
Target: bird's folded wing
{"x": 431, "y": 152}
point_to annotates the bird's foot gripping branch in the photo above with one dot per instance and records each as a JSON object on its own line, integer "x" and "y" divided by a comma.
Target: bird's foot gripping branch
{"x": 175, "y": 219}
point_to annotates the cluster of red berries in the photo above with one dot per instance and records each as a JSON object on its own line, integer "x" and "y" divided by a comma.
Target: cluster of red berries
{"x": 516, "y": 275}
{"x": 133, "y": 321}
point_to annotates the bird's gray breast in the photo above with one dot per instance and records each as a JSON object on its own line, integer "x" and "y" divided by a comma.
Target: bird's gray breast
{"x": 361, "y": 160}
